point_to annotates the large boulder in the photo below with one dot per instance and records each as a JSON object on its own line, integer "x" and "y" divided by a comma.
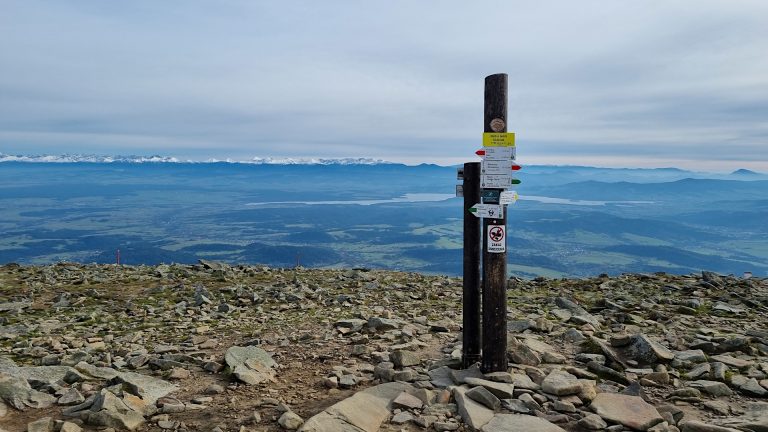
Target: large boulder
{"x": 364, "y": 411}
{"x": 250, "y": 364}
{"x": 19, "y": 394}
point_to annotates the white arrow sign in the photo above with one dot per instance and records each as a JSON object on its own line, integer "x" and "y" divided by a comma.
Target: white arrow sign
{"x": 499, "y": 153}
{"x": 495, "y": 181}
{"x": 492, "y": 211}
{"x": 508, "y": 197}
{"x": 496, "y": 167}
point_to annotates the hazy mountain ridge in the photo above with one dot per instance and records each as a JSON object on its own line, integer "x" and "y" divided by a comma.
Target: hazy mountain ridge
{"x": 89, "y": 158}
{"x": 280, "y": 214}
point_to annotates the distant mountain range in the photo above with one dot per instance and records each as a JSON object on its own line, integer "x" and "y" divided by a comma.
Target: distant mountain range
{"x": 570, "y": 220}
{"x": 81, "y": 158}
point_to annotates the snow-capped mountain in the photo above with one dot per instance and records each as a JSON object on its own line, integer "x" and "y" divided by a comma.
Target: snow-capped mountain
{"x": 75, "y": 158}
{"x": 317, "y": 161}
{"x": 79, "y": 158}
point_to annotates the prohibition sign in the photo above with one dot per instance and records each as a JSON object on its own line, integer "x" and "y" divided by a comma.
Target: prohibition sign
{"x": 496, "y": 234}
{"x": 496, "y": 241}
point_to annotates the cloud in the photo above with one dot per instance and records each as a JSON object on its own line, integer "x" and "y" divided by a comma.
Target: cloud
{"x": 399, "y": 80}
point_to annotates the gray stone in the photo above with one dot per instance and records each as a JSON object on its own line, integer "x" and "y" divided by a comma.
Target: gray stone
{"x": 347, "y": 381}
{"x": 130, "y": 420}
{"x": 237, "y": 355}
{"x": 671, "y": 413}
{"x": 725, "y": 307}
{"x": 561, "y": 314}
{"x": 382, "y": 324}
{"x": 525, "y": 382}
{"x": 753, "y": 388}
{"x": 19, "y": 394}
{"x": 44, "y": 424}
{"x": 647, "y": 351}
{"x": 407, "y": 401}
{"x": 519, "y": 423}
{"x": 561, "y": 383}
{"x": 290, "y": 420}
{"x": 574, "y": 336}
{"x": 353, "y": 325}
{"x": 607, "y": 373}
{"x": 250, "y": 364}
{"x": 14, "y": 306}
{"x": 592, "y": 422}
{"x": 552, "y": 357}
{"x": 71, "y": 397}
{"x": 402, "y": 417}
{"x": 483, "y": 396}
{"x": 755, "y": 418}
{"x": 698, "y": 426}
{"x": 404, "y": 358}
{"x": 718, "y": 407}
{"x": 460, "y": 376}
{"x": 732, "y": 361}
{"x": 698, "y": 371}
{"x": 563, "y": 406}
{"x": 70, "y": 427}
{"x": 516, "y": 406}
{"x": 519, "y": 326}
{"x": 364, "y": 411}
{"x": 608, "y": 351}
{"x": 529, "y": 402}
{"x": 385, "y": 371}
{"x": 579, "y": 314}
{"x": 441, "y": 426}
{"x": 521, "y": 353}
{"x": 719, "y": 370}
{"x": 440, "y": 377}
{"x": 630, "y": 411}
{"x": 500, "y": 390}
{"x": 738, "y": 380}
{"x": 502, "y": 377}
{"x": 407, "y": 375}
{"x": 691, "y": 356}
{"x": 713, "y": 388}
{"x": 474, "y": 414}
{"x": 106, "y": 400}
{"x": 150, "y": 389}
{"x": 686, "y": 393}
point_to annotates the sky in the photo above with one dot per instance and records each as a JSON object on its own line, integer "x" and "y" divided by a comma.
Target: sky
{"x": 603, "y": 83}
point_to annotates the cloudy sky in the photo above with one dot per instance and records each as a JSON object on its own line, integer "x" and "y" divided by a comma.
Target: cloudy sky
{"x": 608, "y": 83}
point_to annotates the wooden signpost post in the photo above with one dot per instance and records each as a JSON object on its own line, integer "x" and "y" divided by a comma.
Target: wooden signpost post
{"x": 471, "y": 295}
{"x": 486, "y": 196}
{"x": 495, "y": 240}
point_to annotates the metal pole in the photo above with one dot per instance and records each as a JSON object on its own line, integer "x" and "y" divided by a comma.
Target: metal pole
{"x": 494, "y": 332}
{"x": 471, "y": 301}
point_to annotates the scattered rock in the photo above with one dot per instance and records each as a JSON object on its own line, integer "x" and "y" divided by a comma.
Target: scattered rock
{"x": 250, "y": 364}
{"x": 519, "y": 423}
{"x": 290, "y": 420}
{"x": 630, "y": 411}
{"x": 561, "y": 383}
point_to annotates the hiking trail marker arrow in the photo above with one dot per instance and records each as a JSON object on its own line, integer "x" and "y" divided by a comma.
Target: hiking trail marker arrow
{"x": 508, "y": 197}
{"x": 497, "y": 153}
{"x": 492, "y": 211}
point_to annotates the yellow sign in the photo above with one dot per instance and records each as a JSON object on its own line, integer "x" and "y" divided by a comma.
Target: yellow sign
{"x": 499, "y": 139}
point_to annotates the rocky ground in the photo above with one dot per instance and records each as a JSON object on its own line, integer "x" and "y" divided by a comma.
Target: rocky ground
{"x": 215, "y": 348}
